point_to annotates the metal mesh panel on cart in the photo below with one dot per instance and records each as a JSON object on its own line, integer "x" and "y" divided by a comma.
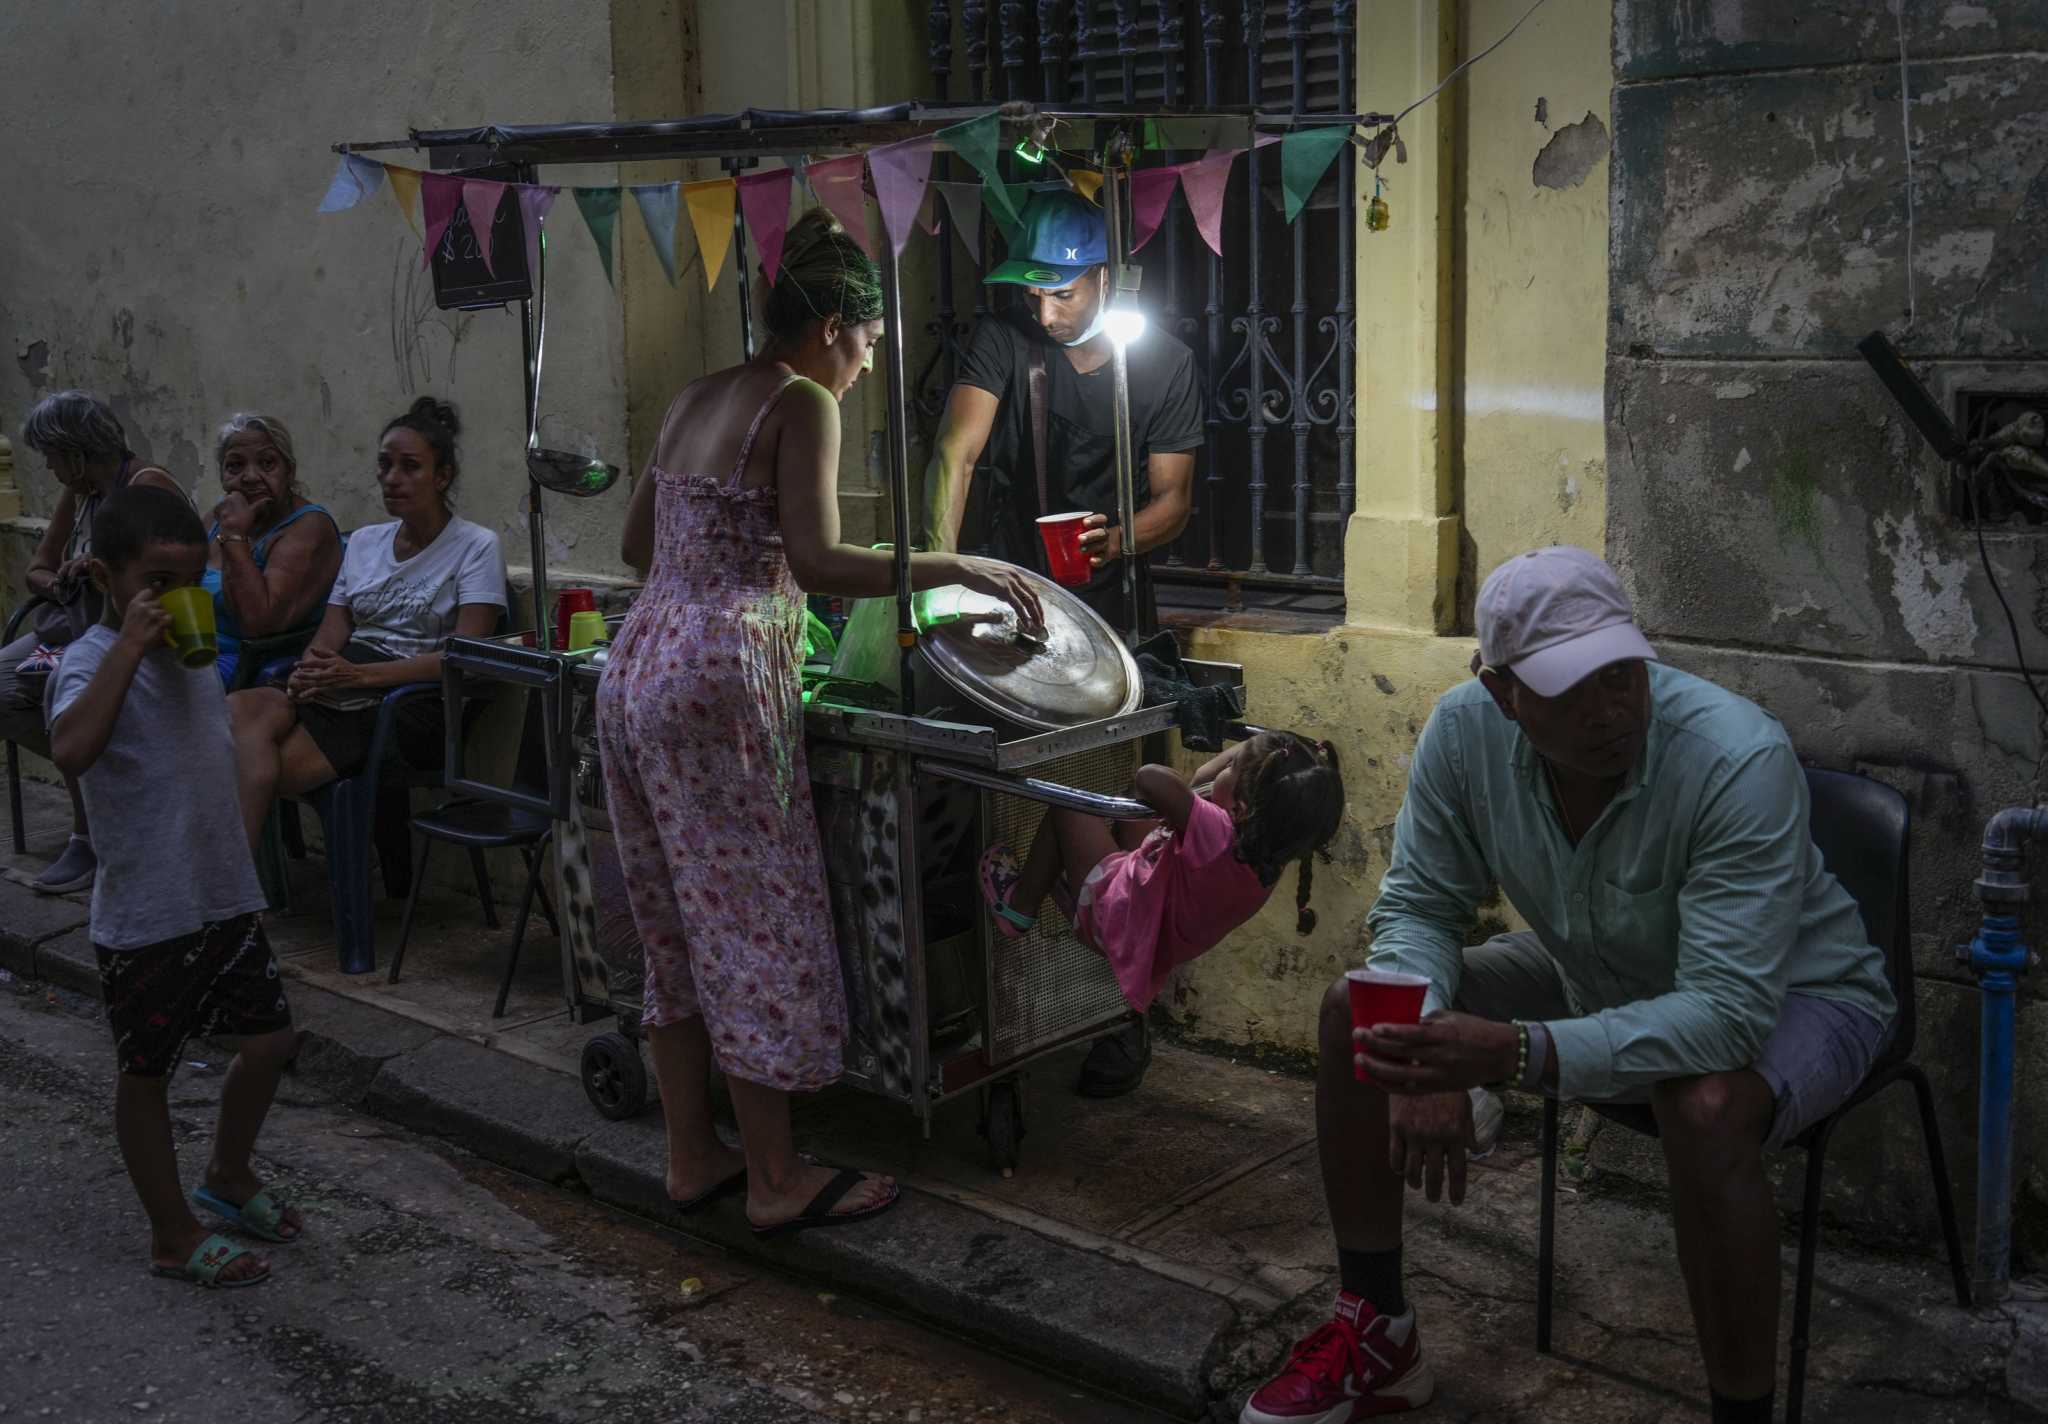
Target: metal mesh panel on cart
{"x": 1047, "y": 985}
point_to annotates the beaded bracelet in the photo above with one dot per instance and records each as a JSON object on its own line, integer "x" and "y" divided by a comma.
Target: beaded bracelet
{"x": 1521, "y": 1053}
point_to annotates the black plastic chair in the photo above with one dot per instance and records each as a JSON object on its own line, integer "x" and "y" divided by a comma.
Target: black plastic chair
{"x": 479, "y": 825}
{"x": 1861, "y": 828}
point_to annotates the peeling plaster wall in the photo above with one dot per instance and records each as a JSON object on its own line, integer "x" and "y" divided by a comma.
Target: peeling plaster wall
{"x": 1782, "y": 528}
{"x": 1529, "y": 292}
{"x": 161, "y": 245}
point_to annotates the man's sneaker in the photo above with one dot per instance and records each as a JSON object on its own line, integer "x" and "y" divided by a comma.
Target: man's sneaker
{"x": 70, "y": 871}
{"x": 1360, "y": 1365}
{"x": 1487, "y": 1115}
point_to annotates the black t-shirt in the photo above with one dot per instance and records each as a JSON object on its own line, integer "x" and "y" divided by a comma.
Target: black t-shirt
{"x": 1080, "y": 420}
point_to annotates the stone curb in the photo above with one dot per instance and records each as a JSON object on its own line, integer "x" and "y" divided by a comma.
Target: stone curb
{"x": 1050, "y": 1304}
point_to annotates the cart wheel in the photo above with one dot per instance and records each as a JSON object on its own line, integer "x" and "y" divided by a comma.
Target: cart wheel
{"x": 1002, "y": 1123}
{"x": 614, "y": 1078}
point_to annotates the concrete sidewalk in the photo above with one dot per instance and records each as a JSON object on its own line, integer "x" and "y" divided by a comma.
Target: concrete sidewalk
{"x": 1166, "y": 1247}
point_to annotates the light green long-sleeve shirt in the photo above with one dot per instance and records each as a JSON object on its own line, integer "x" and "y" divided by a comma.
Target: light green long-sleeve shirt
{"x": 1680, "y": 921}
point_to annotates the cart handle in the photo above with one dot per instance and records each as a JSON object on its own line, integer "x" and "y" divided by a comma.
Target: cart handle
{"x": 1050, "y": 793}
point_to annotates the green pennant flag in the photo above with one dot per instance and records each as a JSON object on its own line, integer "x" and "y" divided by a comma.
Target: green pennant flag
{"x": 600, "y": 209}
{"x": 1305, "y": 156}
{"x": 1006, "y": 205}
{"x": 977, "y": 141}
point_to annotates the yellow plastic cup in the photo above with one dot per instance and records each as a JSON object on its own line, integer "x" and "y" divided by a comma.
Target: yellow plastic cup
{"x": 586, "y": 630}
{"x": 191, "y": 634}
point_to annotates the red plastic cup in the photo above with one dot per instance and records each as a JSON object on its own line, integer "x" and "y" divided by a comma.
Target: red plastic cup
{"x": 1063, "y": 552}
{"x": 1381, "y": 996}
{"x": 568, "y": 602}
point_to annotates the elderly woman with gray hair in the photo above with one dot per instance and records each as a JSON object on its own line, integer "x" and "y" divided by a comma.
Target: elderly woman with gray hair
{"x": 274, "y": 552}
{"x": 86, "y": 449}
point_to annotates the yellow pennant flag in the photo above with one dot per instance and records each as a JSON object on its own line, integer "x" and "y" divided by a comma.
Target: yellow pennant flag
{"x": 1087, "y": 182}
{"x": 405, "y": 190}
{"x": 711, "y": 206}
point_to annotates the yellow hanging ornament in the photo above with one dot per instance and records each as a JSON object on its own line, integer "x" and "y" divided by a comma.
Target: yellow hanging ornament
{"x": 1377, "y": 215}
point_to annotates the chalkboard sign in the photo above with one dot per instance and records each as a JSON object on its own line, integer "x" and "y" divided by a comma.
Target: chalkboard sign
{"x": 461, "y": 281}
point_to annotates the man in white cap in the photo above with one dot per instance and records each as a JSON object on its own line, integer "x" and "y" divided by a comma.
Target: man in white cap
{"x": 1686, "y": 950}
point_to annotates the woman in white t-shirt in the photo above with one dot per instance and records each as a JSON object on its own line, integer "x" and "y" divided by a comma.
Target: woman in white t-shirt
{"x": 404, "y": 589}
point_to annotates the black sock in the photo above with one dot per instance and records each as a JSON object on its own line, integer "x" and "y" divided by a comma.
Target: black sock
{"x": 1376, "y": 1275}
{"x": 1743, "y": 1411}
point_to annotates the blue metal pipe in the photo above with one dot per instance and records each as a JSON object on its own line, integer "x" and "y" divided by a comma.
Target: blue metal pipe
{"x": 1997, "y": 957}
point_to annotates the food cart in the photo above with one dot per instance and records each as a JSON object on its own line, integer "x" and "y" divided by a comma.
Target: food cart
{"x": 959, "y": 733}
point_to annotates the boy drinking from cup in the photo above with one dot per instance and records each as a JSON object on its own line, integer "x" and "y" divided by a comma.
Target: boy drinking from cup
{"x": 138, "y": 716}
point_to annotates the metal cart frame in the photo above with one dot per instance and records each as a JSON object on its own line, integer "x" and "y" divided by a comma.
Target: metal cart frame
{"x": 892, "y": 756}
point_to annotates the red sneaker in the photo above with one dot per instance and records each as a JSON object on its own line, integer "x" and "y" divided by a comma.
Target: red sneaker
{"x": 1361, "y": 1365}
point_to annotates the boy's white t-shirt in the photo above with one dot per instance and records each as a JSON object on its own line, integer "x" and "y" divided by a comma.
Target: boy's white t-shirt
{"x": 160, "y": 800}
{"x": 406, "y": 607}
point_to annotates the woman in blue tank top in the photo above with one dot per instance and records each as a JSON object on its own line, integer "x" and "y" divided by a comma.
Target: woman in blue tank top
{"x": 274, "y": 553}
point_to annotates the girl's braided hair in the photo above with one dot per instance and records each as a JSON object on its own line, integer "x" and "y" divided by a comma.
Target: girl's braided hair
{"x": 1291, "y": 799}
{"x": 823, "y": 273}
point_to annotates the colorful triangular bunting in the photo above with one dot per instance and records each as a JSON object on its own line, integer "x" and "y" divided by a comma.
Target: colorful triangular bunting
{"x": 1203, "y": 182}
{"x": 764, "y": 200}
{"x": 901, "y": 171}
{"x": 657, "y": 204}
{"x": 439, "y": 193}
{"x": 405, "y": 191}
{"x": 600, "y": 209}
{"x": 837, "y": 182}
{"x": 354, "y": 180}
{"x": 481, "y": 197}
{"x": 711, "y": 207}
{"x": 1305, "y": 156}
{"x": 1151, "y": 190}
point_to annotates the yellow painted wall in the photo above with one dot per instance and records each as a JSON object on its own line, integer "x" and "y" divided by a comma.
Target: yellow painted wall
{"x": 1482, "y": 344}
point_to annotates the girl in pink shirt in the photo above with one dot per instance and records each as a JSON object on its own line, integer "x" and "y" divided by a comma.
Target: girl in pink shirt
{"x": 1155, "y": 894}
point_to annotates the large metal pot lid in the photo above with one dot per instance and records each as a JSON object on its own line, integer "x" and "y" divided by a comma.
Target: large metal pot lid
{"x": 1081, "y": 672}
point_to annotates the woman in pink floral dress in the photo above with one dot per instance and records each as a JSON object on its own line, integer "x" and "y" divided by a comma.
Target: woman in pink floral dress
{"x": 700, "y": 718}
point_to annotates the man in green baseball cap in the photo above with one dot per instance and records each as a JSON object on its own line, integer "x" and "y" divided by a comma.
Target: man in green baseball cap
{"x": 1057, "y": 455}
{"x": 1059, "y": 267}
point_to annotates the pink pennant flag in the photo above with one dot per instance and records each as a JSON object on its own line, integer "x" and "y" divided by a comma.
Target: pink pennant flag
{"x": 534, "y": 202}
{"x": 764, "y": 200}
{"x": 481, "y": 198}
{"x": 901, "y": 172}
{"x": 1203, "y": 182}
{"x": 1151, "y": 190}
{"x": 837, "y": 182}
{"x": 439, "y": 193}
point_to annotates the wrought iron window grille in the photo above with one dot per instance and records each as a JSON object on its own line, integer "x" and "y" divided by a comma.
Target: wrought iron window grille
{"x": 1272, "y": 325}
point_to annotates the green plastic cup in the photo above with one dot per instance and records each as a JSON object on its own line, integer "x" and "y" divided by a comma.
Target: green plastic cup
{"x": 191, "y": 634}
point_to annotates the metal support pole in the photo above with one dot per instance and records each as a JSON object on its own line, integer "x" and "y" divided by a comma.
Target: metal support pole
{"x": 733, "y": 166}
{"x": 543, "y": 636}
{"x": 899, "y": 462}
{"x": 1126, "y": 462}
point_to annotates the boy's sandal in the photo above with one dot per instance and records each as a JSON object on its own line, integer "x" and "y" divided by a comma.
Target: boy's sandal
{"x": 212, "y": 1256}
{"x": 999, "y": 876}
{"x": 819, "y": 1212}
{"x": 262, "y": 1216}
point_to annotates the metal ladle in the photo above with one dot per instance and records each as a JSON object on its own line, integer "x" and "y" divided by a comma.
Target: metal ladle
{"x": 558, "y": 470}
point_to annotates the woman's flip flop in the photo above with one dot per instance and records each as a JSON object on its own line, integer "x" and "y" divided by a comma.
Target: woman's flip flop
{"x": 999, "y": 876}
{"x": 820, "y": 1213}
{"x": 212, "y": 1256}
{"x": 690, "y": 1206}
{"x": 261, "y": 1216}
